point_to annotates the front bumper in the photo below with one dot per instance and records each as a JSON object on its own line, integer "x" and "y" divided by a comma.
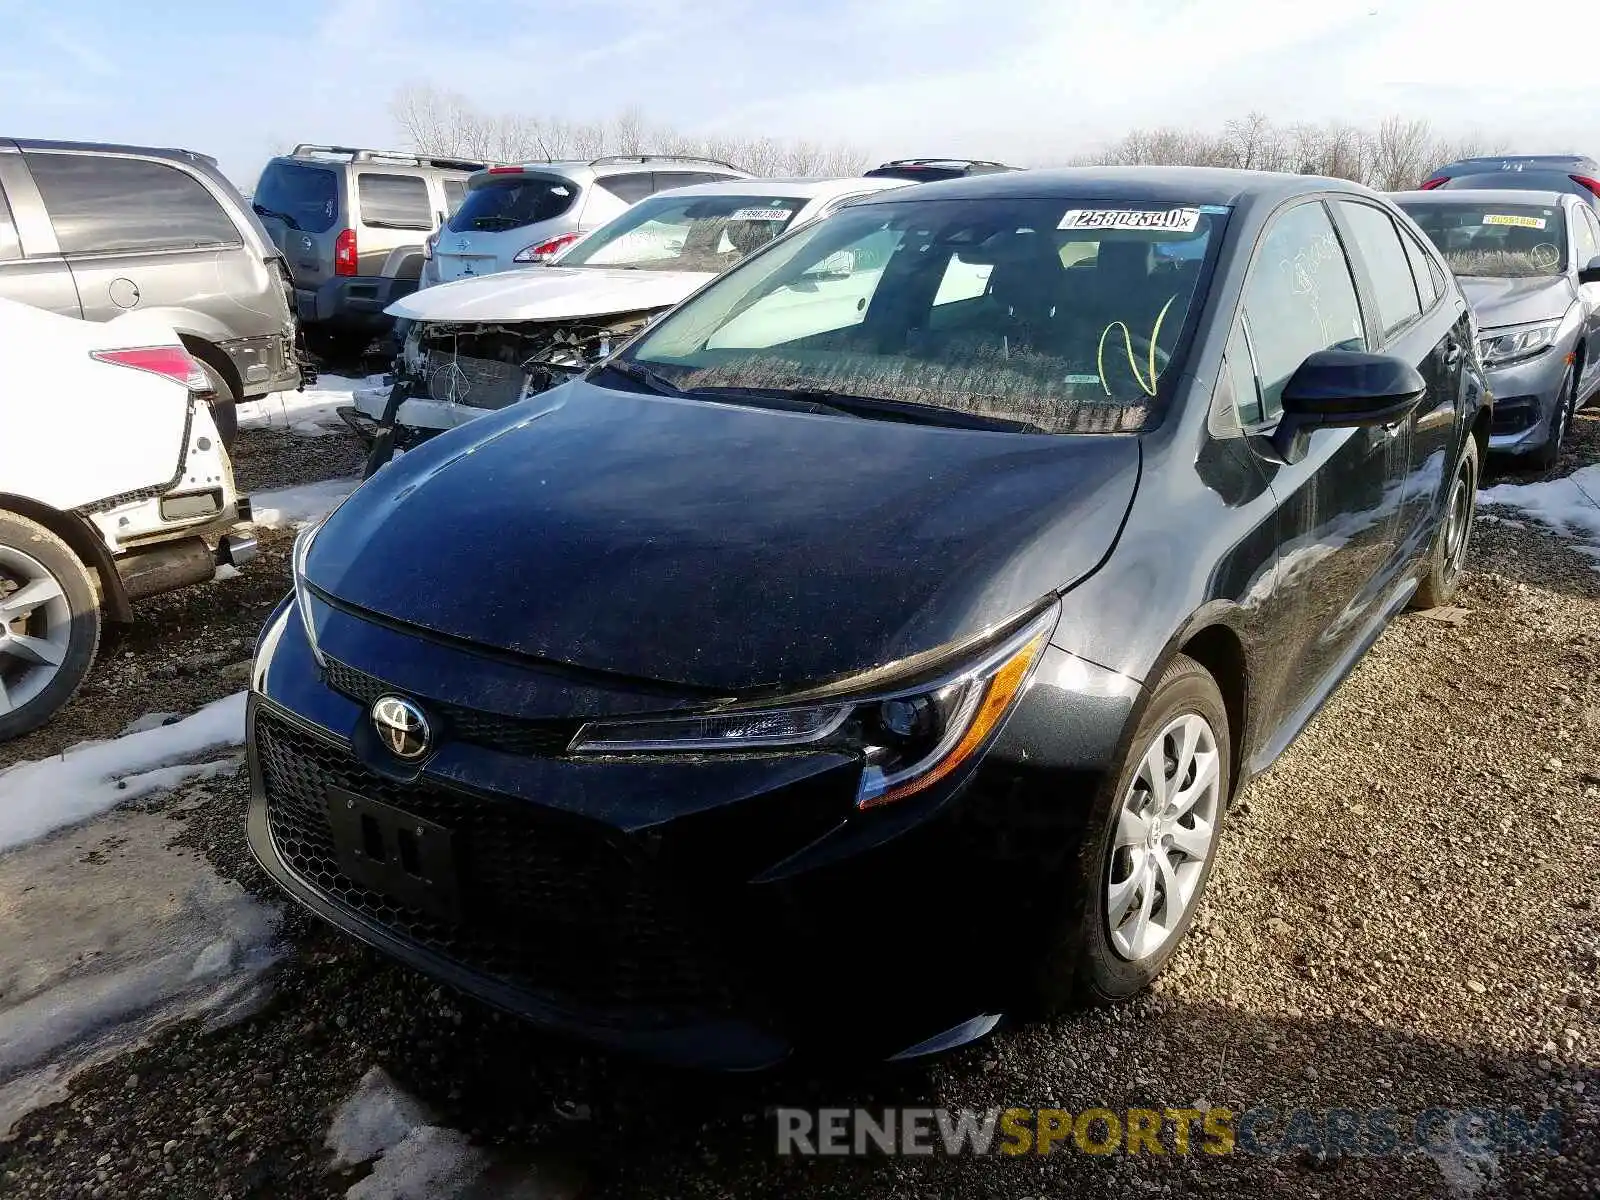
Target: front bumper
{"x": 719, "y": 912}
{"x": 355, "y": 302}
{"x": 1525, "y": 398}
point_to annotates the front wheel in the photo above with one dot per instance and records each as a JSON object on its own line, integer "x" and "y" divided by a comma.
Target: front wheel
{"x": 1451, "y": 541}
{"x": 49, "y": 624}
{"x": 1149, "y": 846}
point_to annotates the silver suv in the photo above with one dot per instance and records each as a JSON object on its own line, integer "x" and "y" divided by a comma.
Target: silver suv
{"x": 90, "y": 230}
{"x": 527, "y": 214}
{"x": 352, "y": 224}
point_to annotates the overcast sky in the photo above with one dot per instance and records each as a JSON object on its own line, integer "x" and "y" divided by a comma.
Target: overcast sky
{"x": 1029, "y": 81}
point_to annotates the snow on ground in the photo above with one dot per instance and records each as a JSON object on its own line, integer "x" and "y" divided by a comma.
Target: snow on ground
{"x": 291, "y": 507}
{"x": 110, "y": 935}
{"x": 1570, "y": 505}
{"x": 37, "y": 798}
{"x": 416, "y": 1159}
{"x": 311, "y": 413}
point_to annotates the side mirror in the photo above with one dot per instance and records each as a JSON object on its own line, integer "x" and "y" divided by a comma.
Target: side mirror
{"x": 1343, "y": 389}
{"x": 1591, "y": 271}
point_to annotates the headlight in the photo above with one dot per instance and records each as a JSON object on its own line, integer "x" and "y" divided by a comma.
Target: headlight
{"x": 1498, "y": 349}
{"x": 302, "y": 593}
{"x": 908, "y": 739}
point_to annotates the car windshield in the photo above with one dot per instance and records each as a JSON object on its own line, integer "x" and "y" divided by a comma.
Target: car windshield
{"x": 1049, "y": 315}
{"x": 500, "y": 202}
{"x": 1496, "y": 240}
{"x": 303, "y": 198}
{"x": 686, "y": 233}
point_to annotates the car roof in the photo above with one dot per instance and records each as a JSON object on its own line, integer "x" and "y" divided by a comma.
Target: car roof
{"x": 797, "y": 188}
{"x": 1144, "y": 185}
{"x": 1538, "y": 196}
{"x": 1497, "y": 162}
{"x": 609, "y": 164}
{"x": 193, "y": 156}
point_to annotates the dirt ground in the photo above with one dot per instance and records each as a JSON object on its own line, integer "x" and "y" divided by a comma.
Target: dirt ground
{"x": 1404, "y": 916}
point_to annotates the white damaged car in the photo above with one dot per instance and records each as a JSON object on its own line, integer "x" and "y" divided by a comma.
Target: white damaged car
{"x": 114, "y": 486}
{"x": 477, "y": 345}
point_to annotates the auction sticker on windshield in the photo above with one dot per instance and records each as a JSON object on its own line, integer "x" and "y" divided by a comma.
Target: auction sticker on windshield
{"x": 761, "y": 214}
{"x": 1510, "y": 219}
{"x": 1180, "y": 220}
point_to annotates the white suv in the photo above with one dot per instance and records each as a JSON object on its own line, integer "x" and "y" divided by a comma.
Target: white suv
{"x": 527, "y": 214}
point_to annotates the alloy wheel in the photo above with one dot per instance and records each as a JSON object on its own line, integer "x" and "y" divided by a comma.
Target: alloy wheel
{"x": 1458, "y": 521}
{"x": 1166, "y": 828}
{"x": 35, "y": 628}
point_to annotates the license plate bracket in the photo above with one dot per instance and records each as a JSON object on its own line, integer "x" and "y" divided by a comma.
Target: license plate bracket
{"x": 403, "y": 856}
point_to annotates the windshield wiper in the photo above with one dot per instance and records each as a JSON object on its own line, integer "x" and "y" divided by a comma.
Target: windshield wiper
{"x": 263, "y": 211}
{"x": 870, "y": 408}
{"x": 639, "y": 373}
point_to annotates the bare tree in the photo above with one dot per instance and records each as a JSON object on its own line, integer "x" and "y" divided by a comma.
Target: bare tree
{"x": 1401, "y": 153}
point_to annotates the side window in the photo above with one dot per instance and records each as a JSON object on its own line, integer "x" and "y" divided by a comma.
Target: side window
{"x": 10, "y": 247}
{"x": 394, "y": 201}
{"x": 455, "y": 191}
{"x": 1239, "y": 377}
{"x": 1584, "y": 244}
{"x": 630, "y": 189}
{"x": 100, "y": 203}
{"x": 1299, "y": 298}
{"x": 1378, "y": 243}
{"x": 1422, "y": 271}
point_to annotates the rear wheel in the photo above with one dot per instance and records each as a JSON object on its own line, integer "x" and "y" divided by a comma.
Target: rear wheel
{"x": 49, "y": 624}
{"x": 1451, "y": 541}
{"x": 1149, "y": 847}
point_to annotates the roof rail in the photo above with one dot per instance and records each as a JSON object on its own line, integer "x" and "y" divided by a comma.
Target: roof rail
{"x": 359, "y": 154}
{"x": 924, "y": 162}
{"x": 607, "y": 159}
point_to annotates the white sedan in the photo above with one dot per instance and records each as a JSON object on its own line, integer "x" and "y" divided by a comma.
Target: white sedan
{"x": 113, "y": 486}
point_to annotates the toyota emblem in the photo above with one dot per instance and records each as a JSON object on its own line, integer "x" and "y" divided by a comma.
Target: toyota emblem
{"x": 401, "y": 727}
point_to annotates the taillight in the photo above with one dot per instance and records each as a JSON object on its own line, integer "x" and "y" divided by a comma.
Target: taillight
{"x": 170, "y": 362}
{"x": 344, "y": 253}
{"x": 1436, "y": 181}
{"x": 505, "y": 170}
{"x": 544, "y": 251}
{"x": 1584, "y": 181}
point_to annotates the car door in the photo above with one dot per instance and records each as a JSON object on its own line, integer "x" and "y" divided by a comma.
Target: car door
{"x": 1585, "y": 228}
{"x": 32, "y": 270}
{"x": 1435, "y": 342}
{"x": 1338, "y": 506}
{"x": 137, "y": 233}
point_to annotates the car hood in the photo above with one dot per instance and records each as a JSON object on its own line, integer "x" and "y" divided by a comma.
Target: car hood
{"x": 718, "y": 546}
{"x": 1497, "y": 302}
{"x": 548, "y": 294}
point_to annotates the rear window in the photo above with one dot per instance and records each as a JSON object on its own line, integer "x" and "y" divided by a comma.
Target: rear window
{"x": 686, "y": 233}
{"x": 512, "y": 201}
{"x": 102, "y": 204}
{"x": 303, "y": 198}
{"x": 1051, "y": 316}
{"x": 394, "y": 201}
{"x": 1495, "y": 240}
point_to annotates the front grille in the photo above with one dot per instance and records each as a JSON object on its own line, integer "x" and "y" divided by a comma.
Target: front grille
{"x": 549, "y": 904}
{"x": 510, "y": 734}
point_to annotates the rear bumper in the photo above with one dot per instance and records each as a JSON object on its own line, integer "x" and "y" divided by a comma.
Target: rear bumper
{"x": 356, "y": 302}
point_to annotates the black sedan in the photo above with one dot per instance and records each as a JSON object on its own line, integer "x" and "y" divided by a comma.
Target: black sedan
{"x": 871, "y": 649}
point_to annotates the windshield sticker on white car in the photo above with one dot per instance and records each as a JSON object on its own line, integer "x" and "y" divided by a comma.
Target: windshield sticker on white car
{"x": 1180, "y": 220}
{"x": 760, "y": 214}
{"x": 1510, "y": 219}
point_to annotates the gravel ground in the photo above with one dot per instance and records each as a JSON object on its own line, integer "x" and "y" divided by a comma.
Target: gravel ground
{"x": 1403, "y": 916}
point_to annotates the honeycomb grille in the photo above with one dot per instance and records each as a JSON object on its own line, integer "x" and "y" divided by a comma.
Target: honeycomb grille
{"x": 549, "y": 904}
{"x": 496, "y": 732}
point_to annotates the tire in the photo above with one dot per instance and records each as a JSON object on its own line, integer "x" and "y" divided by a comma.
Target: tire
{"x": 1549, "y": 454}
{"x": 1453, "y": 539}
{"x": 224, "y": 405}
{"x": 65, "y": 626}
{"x": 1090, "y": 961}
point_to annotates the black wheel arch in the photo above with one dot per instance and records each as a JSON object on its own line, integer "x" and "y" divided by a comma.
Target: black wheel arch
{"x": 81, "y": 537}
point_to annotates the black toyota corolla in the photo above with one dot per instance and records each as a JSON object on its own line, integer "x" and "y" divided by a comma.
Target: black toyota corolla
{"x": 872, "y": 647}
